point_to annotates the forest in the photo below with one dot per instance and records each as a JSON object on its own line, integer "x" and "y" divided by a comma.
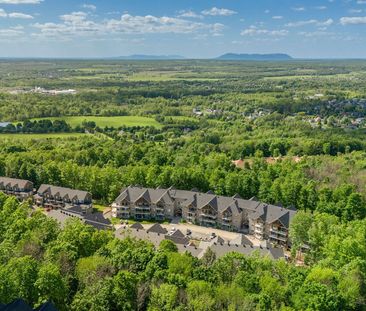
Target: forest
{"x": 298, "y": 129}
{"x": 80, "y": 268}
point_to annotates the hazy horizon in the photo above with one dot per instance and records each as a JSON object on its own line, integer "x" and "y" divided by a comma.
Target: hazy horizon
{"x": 315, "y": 29}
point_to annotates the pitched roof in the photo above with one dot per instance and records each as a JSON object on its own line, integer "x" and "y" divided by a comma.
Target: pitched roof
{"x": 271, "y": 213}
{"x": 177, "y": 234}
{"x": 133, "y": 194}
{"x": 254, "y": 208}
{"x": 97, "y": 217}
{"x": 222, "y": 250}
{"x": 241, "y": 239}
{"x": 137, "y": 226}
{"x": 63, "y": 192}
{"x": 157, "y": 228}
{"x": 21, "y": 183}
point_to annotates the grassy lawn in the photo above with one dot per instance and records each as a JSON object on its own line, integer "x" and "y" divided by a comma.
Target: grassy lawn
{"x": 100, "y": 208}
{"x": 39, "y": 136}
{"x": 183, "y": 118}
{"x": 116, "y": 122}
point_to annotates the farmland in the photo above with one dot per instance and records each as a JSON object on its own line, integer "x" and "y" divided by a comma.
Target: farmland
{"x": 22, "y": 137}
{"x": 116, "y": 121}
{"x": 296, "y": 128}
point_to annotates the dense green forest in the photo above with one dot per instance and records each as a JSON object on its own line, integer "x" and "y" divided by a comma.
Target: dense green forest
{"x": 298, "y": 126}
{"x": 80, "y": 268}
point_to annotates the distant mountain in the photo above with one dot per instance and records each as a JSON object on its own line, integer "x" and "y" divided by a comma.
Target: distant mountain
{"x": 149, "y": 57}
{"x": 254, "y": 57}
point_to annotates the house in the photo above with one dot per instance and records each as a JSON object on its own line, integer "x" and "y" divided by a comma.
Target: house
{"x": 270, "y": 222}
{"x": 156, "y": 234}
{"x": 265, "y": 221}
{"x": 144, "y": 204}
{"x": 64, "y": 198}
{"x": 22, "y": 189}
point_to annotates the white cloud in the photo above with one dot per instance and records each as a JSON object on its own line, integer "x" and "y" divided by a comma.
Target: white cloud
{"x": 78, "y": 24}
{"x": 361, "y": 2}
{"x": 277, "y": 17}
{"x": 218, "y": 12}
{"x": 353, "y": 20}
{"x": 325, "y": 23}
{"x": 316, "y": 34}
{"x": 15, "y": 15}
{"x": 255, "y": 31}
{"x": 322, "y": 7}
{"x": 355, "y": 11}
{"x": 20, "y": 1}
{"x": 10, "y": 32}
{"x": 189, "y": 14}
{"x": 20, "y": 15}
{"x": 299, "y": 9}
{"x": 91, "y": 7}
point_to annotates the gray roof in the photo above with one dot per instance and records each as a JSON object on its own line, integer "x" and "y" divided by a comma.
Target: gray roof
{"x": 219, "y": 204}
{"x": 157, "y": 228}
{"x": 137, "y": 226}
{"x": 222, "y": 250}
{"x": 133, "y": 194}
{"x": 177, "y": 237}
{"x": 12, "y": 182}
{"x": 241, "y": 239}
{"x": 152, "y": 237}
{"x": 65, "y": 192}
{"x": 272, "y": 213}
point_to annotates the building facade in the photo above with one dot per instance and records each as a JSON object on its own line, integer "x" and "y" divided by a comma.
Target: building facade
{"x": 264, "y": 221}
{"x": 22, "y": 189}
{"x": 64, "y": 198}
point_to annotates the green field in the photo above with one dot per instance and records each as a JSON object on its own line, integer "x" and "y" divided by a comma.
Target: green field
{"x": 39, "y": 136}
{"x": 116, "y": 122}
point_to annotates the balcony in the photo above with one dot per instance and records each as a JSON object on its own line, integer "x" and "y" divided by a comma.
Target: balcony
{"x": 226, "y": 225}
{"x": 281, "y": 232}
{"x": 208, "y": 221}
{"x": 124, "y": 208}
{"x": 208, "y": 216}
{"x": 143, "y": 216}
{"x": 278, "y": 238}
{"x": 258, "y": 230}
{"x": 142, "y": 209}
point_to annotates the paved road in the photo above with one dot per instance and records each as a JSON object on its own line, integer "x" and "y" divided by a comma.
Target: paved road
{"x": 204, "y": 233}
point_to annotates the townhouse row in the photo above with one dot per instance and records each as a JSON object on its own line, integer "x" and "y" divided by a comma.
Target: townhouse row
{"x": 48, "y": 196}
{"x": 264, "y": 221}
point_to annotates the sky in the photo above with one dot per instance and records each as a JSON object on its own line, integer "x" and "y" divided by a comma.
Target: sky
{"x": 190, "y": 28}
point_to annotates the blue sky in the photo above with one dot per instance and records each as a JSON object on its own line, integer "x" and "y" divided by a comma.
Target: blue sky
{"x": 191, "y": 28}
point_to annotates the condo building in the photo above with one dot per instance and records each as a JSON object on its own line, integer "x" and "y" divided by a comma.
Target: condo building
{"x": 20, "y": 188}
{"x": 264, "y": 221}
{"x": 54, "y": 197}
